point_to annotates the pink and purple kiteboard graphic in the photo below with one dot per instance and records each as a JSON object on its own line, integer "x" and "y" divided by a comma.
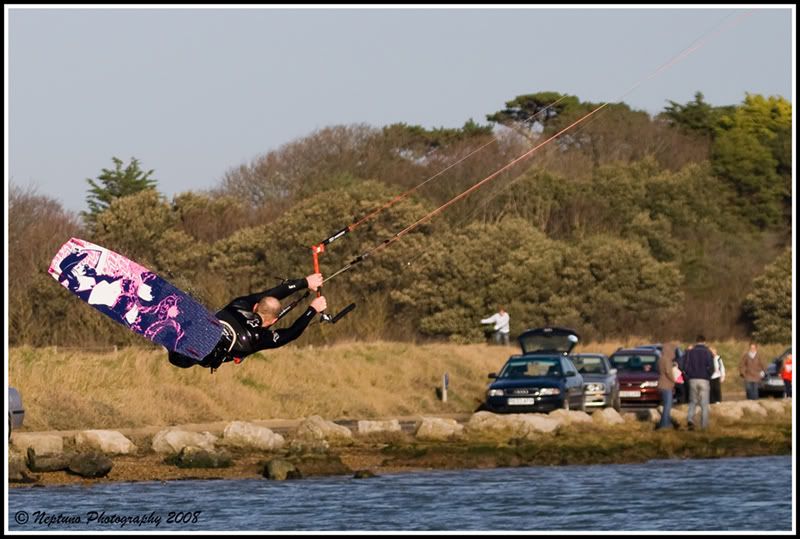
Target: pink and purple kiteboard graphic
{"x": 136, "y": 297}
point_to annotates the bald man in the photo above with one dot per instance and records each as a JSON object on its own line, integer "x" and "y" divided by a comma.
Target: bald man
{"x": 246, "y": 321}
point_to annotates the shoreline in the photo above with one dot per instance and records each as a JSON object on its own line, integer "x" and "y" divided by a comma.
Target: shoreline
{"x": 479, "y": 441}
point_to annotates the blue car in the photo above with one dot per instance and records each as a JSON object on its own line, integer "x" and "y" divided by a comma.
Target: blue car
{"x": 541, "y": 379}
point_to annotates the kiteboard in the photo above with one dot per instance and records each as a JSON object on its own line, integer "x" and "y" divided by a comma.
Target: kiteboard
{"x": 136, "y": 297}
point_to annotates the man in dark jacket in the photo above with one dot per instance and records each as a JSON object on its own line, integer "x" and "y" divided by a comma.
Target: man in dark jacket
{"x": 698, "y": 366}
{"x": 246, "y": 324}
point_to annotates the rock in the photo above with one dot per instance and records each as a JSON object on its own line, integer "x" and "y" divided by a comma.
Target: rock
{"x": 435, "y": 428}
{"x": 315, "y": 465}
{"x": 369, "y": 427}
{"x": 508, "y": 426}
{"x": 607, "y": 416}
{"x": 173, "y": 440}
{"x": 363, "y": 474}
{"x": 243, "y": 434}
{"x": 197, "y": 457}
{"x": 107, "y": 441}
{"x": 309, "y": 446}
{"x": 280, "y": 470}
{"x": 569, "y": 417}
{"x": 727, "y": 410}
{"x": 772, "y": 406}
{"x": 50, "y": 463}
{"x": 535, "y": 423}
{"x": 92, "y": 464}
{"x": 679, "y": 416}
{"x": 18, "y": 471}
{"x": 43, "y": 444}
{"x": 753, "y": 407}
{"x": 651, "y": 415}
{"x": 316, "y": 428}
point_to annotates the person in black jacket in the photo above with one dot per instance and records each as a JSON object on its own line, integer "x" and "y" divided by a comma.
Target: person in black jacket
{"x": 698, "y": 366}
{"x": 246, "y": 321}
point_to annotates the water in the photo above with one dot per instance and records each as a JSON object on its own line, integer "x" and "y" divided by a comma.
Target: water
{"x": 724, "y": 494}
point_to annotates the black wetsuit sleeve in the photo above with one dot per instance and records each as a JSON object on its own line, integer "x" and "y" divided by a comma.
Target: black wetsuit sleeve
{"x": 275, "y": 338}
{"x": 281, "y": 291}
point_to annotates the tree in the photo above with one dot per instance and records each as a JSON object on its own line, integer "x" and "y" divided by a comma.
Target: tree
{"x": 533, "y": 112}
{"x": 695, "y": 116}
{"x": 134, "y": 226}
{"x": 114, "y": 184}
{"x": 770, "y": 303}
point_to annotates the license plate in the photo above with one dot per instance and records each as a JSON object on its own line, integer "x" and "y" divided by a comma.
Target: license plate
{"x": 776, "y": 382}
{"x": 522, "y": 400}
{"x": 630, "y": 393}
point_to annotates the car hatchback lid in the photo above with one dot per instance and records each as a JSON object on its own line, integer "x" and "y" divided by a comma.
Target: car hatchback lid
{"x": 548, "y": 340}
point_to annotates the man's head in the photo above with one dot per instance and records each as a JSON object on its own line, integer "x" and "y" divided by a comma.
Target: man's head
{"x": 700, "y": 338}
{"x": 500, "y": 309}
{"x": 753, "y": 347}
{"x": 268, "y": 308}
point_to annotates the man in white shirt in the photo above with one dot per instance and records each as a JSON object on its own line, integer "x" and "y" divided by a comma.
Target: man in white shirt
{"x": 501, "y": 330}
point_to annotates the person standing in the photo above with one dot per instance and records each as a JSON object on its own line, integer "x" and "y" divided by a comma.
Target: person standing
{"x": 751, "y": 370}
{"x": 698, "y": 365}
{"x": 501, "y": 321}
{"x": 786, "y": 374}
{"x": 718, "y": 377}
{"x": 666, "y": 384}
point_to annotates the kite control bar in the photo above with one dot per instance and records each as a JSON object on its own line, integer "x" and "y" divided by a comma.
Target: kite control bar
{"x": 318, "y": 249}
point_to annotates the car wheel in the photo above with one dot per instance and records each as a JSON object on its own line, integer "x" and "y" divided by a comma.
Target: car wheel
{"x": 583, "y": 403}
{"x": 566, "y": 402}
{"x": 617, "y": 402}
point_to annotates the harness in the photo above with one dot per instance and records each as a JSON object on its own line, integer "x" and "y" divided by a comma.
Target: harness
{"x": 221, "y": 353}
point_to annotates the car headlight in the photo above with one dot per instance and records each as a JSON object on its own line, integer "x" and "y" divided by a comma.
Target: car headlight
{"x": 592, "y": 388}
{"x": 549, "y": 391}
{"x": 495, "y": 393}
{"x": 649, "y": 384}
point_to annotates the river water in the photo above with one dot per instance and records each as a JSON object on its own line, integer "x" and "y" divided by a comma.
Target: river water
{"x": 722, "y": 494}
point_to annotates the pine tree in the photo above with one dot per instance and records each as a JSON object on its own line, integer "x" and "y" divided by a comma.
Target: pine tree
{"x": 114, "y": 184}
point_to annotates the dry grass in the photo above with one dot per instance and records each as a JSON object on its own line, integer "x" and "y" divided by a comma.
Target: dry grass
{"x": 137, "y": 388}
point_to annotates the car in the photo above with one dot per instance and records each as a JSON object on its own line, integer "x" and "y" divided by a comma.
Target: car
{"x": 771, "y": 385}
{"x": 600, "y": 382}
{"x": 659, "y": 347}
{"x": 16, "y": 413}
{"x": 637, "y": 371}
{"x": 541, "y": 379}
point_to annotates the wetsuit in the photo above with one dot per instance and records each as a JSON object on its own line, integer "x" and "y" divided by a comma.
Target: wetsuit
{"x": 242, "y": 333}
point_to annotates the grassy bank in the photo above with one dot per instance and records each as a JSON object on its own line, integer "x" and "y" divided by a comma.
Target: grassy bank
{"x": 64, "y": 390}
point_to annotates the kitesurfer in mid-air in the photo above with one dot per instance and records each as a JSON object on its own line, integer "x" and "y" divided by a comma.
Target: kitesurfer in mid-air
{"x": 246, "y": 320}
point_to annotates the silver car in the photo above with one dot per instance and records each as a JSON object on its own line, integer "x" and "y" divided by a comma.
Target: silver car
{"x": 16, "y": 413}
{"x": 600, "y": 383}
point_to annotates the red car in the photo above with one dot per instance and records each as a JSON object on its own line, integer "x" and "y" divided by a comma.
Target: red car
{"x": 637, "y": 371}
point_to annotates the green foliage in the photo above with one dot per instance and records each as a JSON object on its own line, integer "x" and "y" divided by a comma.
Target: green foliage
{"x": 114, "y": 184}
{"x": 534, "y": 112}
{"x": 134, "y": 225}
{"x": 208, "y": 218}
{"x": 422, "y": 141}
{"x": 751, "y": 153}
{"x": 694, "y": 116}
{"x": 749, "y": 167}
{"x": 625, "y": 224}
{"x": 770, "y": 302}
{"x": 602, "y": 284}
